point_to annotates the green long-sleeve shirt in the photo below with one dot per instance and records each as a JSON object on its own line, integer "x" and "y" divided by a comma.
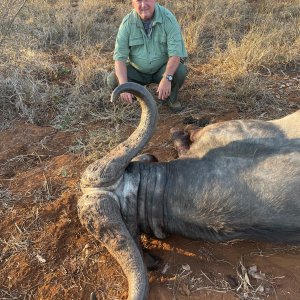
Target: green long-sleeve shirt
{"x": 148, "y": 54}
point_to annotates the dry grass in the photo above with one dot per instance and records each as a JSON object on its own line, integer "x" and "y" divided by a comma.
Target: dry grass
{"x": 7, "y": 200}
{"x": 237, "y": 36}
{"x": 102, "y": 139}
{"x": 233, "y": 43}
{"x": 209, "y": 25}
{"x": 248, "y": 283}
{"x": 55, "y": 57}
{"x": 9, "y": 10}
{"x": 55, "y": 60}
{"x": 97, "y": 143}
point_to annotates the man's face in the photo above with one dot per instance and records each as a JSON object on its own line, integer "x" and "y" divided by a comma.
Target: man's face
{"x": 144, "y": 8}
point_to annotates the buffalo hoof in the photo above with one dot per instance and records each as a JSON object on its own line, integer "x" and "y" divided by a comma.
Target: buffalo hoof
{"x": 181, "y": 141}
{"x": 152, "y": 262}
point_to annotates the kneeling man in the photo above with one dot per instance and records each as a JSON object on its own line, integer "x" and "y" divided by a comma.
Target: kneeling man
{"x": 150, "y": 49}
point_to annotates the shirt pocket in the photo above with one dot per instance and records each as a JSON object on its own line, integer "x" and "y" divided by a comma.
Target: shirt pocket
{"x": 137, "y": 46}
{"x": 161, "y": 45}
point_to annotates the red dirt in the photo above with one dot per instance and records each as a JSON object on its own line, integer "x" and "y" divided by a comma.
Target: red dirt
{"x": 45, "y": 253}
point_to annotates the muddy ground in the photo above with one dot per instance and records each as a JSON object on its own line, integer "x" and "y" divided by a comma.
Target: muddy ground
{"x": 45, "y": 253}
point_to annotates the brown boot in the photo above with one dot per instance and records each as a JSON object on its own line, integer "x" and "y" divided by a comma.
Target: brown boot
{"x": 175, "y": 106}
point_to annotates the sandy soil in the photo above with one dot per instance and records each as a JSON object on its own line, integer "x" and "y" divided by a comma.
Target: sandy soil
{"x": 46, "y": 254}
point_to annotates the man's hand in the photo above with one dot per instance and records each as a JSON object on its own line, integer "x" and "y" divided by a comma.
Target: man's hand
{"x": 164, "y": 89}
{"x": 126, "y": 97}
{"x": 121, "y": 73}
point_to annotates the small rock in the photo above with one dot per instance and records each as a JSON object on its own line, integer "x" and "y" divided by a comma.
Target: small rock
{"x": 186, "y": 267}
{"x": 260, "y": 276}
{"x": 253, "y": 272}
{"x": 165, "y": 269}
{"x": 252, "y": 269}
{"x": 40, "y": 259}
{"x": 260, "y": 289}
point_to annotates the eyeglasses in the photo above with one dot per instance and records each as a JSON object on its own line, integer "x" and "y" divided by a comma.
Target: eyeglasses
{"x": 140, "y": 1}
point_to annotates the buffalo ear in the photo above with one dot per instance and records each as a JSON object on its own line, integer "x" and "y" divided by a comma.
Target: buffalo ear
{"x": 100, "y": 214}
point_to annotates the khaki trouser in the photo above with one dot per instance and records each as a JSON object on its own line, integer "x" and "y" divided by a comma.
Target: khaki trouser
{"x": 134, "y": 75}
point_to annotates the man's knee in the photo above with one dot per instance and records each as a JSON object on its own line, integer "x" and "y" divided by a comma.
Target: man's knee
{"x": 180, "y": 74}
{"x": 112, "y": 81}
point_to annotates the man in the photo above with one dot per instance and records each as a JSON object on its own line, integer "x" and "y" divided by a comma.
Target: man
{"x": 149, "y": 47}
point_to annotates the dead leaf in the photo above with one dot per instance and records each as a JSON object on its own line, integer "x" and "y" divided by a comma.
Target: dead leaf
{"x": 186, "y": 267}
{"x": 40, "y": 259}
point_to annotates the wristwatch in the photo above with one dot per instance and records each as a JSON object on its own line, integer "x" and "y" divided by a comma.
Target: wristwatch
{"x": 169, "y": 77}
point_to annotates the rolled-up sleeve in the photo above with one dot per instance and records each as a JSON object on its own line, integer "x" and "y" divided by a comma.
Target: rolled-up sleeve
{"x": 175, "y": 41}
{"x": 121, "y": 51}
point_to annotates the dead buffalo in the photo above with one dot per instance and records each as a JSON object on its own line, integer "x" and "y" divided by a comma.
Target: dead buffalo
{"x": 238, "y": 180}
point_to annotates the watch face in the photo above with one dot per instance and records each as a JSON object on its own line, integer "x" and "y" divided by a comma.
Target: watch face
{"x": 169, "y": 77}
